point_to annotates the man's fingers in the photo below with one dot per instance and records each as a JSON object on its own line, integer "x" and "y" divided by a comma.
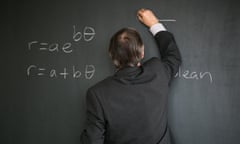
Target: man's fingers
{"x": 140, "y": 14}
{"x": 139, "y": 17}
{"x": 141, "y": 11}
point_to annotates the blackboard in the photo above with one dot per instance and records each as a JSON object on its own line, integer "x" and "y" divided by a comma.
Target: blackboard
{"x": 55, "y": 50}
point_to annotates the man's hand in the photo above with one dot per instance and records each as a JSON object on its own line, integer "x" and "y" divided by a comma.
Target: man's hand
{"x": 147, "y": 17}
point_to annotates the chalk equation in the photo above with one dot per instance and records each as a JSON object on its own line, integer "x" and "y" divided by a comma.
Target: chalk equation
{"x": 74, "y": 72}
{"x": 87, "y": 34}
{"x": 194, "y": 75}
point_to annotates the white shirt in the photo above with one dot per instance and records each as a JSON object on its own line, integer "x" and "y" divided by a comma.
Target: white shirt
{"x": 157, "y": 28}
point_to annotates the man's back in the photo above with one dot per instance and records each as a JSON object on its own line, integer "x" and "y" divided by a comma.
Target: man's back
{"x": 134, "y": 104}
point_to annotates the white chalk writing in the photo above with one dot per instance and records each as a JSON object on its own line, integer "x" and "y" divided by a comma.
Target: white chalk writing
{"x": 34, "y": 70}
{"x": 87, "y": 35}
{"x": 193, "y": 75}
{"x": 87, "y": 72}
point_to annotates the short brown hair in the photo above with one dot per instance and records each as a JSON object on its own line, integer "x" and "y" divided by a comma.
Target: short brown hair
{"x": 125, "y": 48}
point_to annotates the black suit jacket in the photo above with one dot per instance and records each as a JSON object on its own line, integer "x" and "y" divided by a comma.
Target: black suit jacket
{"x": 130, "y": 107}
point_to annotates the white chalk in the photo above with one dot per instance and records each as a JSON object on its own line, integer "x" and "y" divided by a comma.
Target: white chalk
{"x": 167, "y": 20}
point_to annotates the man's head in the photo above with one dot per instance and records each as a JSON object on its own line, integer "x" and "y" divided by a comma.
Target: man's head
{"x": 126, "y": 48}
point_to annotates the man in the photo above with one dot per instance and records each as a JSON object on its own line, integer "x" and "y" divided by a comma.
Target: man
{"x": 130, "y": 107}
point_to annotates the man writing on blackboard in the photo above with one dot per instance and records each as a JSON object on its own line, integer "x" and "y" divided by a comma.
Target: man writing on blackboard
{"x": 130, "y": 107}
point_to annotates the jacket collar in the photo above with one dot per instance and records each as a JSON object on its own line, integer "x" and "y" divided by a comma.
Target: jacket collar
{"x": 130, "y": 72}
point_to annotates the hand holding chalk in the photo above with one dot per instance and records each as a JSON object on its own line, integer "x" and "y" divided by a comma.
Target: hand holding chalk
{"x": 147, "y": 17}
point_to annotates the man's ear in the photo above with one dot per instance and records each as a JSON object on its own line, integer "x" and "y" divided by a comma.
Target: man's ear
{"x": 142, "y": 52}
{"x": 116, "y": 63}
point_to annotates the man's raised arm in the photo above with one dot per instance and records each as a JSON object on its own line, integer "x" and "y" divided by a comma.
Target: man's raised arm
{"x": 169, "y": 51}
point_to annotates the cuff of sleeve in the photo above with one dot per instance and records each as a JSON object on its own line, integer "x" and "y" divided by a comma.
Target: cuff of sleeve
{"x": 157, "y": 28}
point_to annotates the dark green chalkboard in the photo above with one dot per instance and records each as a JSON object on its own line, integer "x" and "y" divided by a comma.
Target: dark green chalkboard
{"x": 56, "y": 50}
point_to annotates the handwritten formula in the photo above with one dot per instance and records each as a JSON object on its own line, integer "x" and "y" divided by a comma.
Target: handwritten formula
{"x": 86, "y": 35}
{"x": 37, "y": 70}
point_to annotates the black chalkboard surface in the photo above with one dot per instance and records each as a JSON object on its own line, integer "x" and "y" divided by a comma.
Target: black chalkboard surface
{"x": 56, "y": 50}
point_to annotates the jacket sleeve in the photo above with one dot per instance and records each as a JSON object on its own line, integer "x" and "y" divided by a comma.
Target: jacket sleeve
{"x": 95, "y": 127}
{"x": 169, "y": 52}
